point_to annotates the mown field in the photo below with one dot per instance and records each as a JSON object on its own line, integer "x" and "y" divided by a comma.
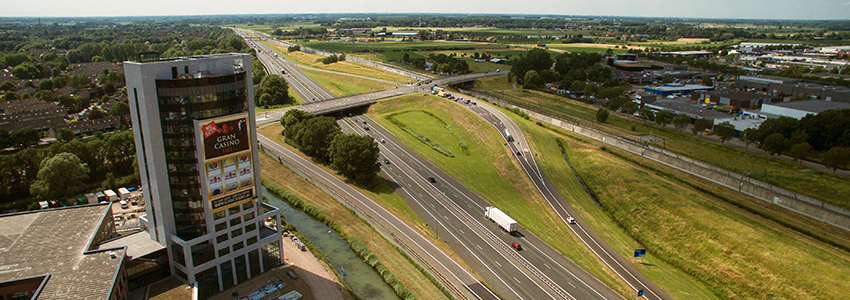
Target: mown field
{"x": 818, "y": 184}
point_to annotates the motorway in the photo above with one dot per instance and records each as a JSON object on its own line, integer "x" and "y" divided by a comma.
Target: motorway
{"x": 519, "y": 275}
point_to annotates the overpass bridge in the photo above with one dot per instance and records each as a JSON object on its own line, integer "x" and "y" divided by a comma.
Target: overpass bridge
{"x": 348, "y": 102}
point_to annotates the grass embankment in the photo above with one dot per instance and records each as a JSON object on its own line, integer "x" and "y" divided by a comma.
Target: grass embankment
{"x": 341, "y": 85}
{"x": 788, "y": 175}
{"x": 409, "y": 274}
{"x": 489, "y": 170}
{"x": 345, "y": 47}
{"x": 314, "y": 61}
{"x": 735, "y": 253}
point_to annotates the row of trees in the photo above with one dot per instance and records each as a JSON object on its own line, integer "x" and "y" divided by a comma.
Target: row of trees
{"x": 442, "y": 63}
{"x": 355, "y": 157}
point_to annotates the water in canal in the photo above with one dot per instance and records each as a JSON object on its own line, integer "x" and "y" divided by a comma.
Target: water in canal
{"x": 364, "y": 281}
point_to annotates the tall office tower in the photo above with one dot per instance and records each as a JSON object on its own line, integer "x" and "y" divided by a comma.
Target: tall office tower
{"x": 196, "y": 144}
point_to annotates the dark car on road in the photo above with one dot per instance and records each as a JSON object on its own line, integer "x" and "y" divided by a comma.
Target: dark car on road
{"x": 431, "y": 179}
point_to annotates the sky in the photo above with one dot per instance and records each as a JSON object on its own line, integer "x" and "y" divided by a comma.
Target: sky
{"x": 713, "y": 9}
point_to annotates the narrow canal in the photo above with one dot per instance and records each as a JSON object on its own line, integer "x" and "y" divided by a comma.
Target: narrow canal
{"x": 364, "y": 281}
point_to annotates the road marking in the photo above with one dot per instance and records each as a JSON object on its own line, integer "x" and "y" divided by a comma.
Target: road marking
{"x": 479, "y": 246}
{"x": 517, "y": 281}
{"x": 547, "y": 266}
{"x": 498, "y": 264}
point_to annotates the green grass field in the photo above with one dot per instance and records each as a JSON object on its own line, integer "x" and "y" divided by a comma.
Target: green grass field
{"x": 341, "y": 85}
{"x": 818, "y": 184}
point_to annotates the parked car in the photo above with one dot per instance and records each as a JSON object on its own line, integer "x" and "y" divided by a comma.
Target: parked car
{"x": 431, "y": 179}
{"x": 516, "y": 246}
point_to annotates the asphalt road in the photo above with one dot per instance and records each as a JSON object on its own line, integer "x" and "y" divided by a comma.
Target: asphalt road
{"x": 597, "y": 245}
{"x": 454, "y": 276}
{"x": 456, "y": 214}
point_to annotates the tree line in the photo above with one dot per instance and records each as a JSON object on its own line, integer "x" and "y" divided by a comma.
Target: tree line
{"x": 354, "y": 156}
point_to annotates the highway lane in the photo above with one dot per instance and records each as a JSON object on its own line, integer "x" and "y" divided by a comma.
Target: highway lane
{"x": 492, "y": 259}
{"x": 454, "y": 276}
{"x": 538, "y": 258}
{"x": 617, "y": 263}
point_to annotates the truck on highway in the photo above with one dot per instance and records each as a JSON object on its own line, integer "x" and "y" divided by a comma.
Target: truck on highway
{"x": 497, "y": 216}
{"x": 508, "y": 136}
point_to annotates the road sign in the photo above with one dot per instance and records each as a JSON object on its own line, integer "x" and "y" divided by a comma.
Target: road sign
{"x": 640, "y": 252}
{"x": 640, "y": 293}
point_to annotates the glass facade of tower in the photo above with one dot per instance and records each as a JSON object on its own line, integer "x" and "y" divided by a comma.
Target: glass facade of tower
{"x": 181, "y": 101}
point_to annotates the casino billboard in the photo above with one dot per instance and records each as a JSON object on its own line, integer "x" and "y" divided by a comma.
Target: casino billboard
{"x": 225, "y": 147}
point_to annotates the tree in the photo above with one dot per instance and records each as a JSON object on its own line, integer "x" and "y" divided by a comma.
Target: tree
{"x": 26, "y": 71}
{"x": 7, "y": 86}
{"x": 45, "y": 84}
{"x": 355, "y": 157}
{"x": 10, "y": 95}
{"x": 119, "y": 109}
{"x": 66, "y": 135}
{"x": 725, "y": 131}
{"x": 706, "y": 80}
{"x": 277, "y": 88}
{"x": 316, "y": 136}
{"x": 602, "y": 115}
{"x": 775, "y": 144}
{"x": 423, "y": 35}
{"x": 630, "y": 107}
{"x": 701, "y": 125}
{"x": 536, "y": 59}
{"x": 664, "y": 117}
{"x": 24, "y": 137}
{"x": 60, "y": 176}
{"x": 646, "y": 113}
{"x": 800, "y": 151}
{"x": 531, "y": 79}
{"x": 749, "y": 136}
{"x": 278, "y": 32}
{"x": 836, "y": 157}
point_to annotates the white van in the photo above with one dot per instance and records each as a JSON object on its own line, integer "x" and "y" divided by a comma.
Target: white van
{"x": 124, "y": 204}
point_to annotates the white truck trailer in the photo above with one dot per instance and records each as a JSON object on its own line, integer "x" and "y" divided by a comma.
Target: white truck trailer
{"x": 111, "y": 195}
{"x": 508, "y": 136}
{"x": 497, "y": 216}
{"x": 123, "y": 193}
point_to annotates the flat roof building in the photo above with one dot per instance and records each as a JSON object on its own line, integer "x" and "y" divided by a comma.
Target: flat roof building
{"x": 800, "y": 109}
{"x": 54, "y": 254}
{"x": 196, "y": 143}
{"x": 676, "y": 88}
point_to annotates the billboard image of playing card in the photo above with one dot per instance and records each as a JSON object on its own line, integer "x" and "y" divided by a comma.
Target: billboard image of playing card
{"x": 227, "y": 159}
